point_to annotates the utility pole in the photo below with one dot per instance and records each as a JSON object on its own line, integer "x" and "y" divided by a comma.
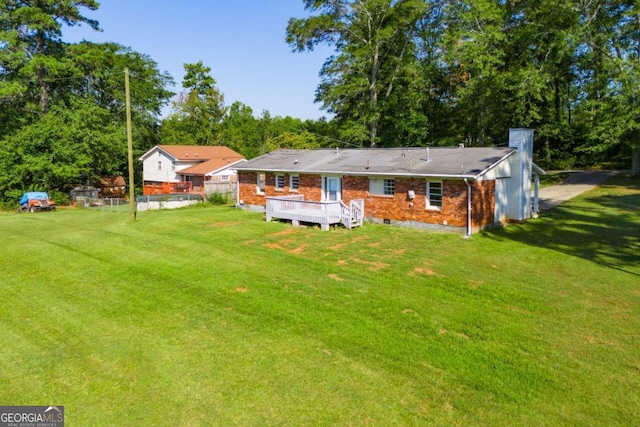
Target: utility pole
{"x": 132, "y": 193}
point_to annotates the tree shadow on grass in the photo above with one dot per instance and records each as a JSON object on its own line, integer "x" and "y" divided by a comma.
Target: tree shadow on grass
{"x": 602, "y": 226}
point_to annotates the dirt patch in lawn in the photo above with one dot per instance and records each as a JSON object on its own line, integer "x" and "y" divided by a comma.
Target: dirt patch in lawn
{"x": 475, "y": 284}
{"x": 223, "y": 224}
{"x": 411, "y": 312}
{"x": 336, "y": 277}
{"x": 285, "y": 244}
{"x": 283, "y": 233}
{"x": 341, "y": 245}
{"x": 298, "y": 250}
{"x": 372, "y": 265}
{"x": 424, "y": 270}
{"x": 462, "y": 335}
{"x": 272, "y": 246}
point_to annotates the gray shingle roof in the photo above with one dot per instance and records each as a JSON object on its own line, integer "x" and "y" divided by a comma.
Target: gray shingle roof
{"x": 469, "y": 162}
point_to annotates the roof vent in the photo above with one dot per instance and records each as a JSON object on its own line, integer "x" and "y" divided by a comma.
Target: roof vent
{"x": 428, "y": 158}
{"x": 461, "y": 145}
{"x": 337, "y": 150}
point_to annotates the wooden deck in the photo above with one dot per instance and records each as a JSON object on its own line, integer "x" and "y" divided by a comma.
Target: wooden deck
{"x": 297, "y": 210}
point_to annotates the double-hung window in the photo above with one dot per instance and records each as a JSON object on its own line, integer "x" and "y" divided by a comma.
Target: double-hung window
{"x": 294, "y": 182}
{"x": 280, "y": 182}
{"x": 434, "y": 194}
{"x": 382, "y": 187}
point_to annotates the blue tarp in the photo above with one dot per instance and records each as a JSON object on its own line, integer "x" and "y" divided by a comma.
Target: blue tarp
{"x": 33, "y": 195}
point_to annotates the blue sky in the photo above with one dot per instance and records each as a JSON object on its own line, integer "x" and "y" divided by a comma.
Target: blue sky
{"x": 241, "y": 40}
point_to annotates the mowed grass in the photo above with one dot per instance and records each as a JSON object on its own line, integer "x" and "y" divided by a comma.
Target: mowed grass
{"x": 210, "y": 316}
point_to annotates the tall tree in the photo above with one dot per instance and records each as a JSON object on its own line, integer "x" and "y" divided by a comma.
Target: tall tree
{"x": 82, "y": 136}
{"x": 373, "y": 41}
{"x": 242, "y": 130}
{"x": 609, "y": 111}
{"x": 198, "y": 111}
{"x": 31, "y": 38}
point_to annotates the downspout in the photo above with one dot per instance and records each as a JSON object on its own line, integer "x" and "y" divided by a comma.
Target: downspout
{"x": 536, "y": 196}
{"x": 468, "y": 209}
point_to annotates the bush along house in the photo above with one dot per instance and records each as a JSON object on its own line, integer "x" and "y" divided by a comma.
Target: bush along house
{"x": 461, "y": 189}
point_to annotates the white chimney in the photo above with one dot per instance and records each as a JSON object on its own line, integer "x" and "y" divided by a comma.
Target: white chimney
{"x": 521, "y": 167}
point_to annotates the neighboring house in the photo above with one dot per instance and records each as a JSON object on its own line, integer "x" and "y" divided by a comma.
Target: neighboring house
{"x": 187, "y": 168}
{"x": 463, "y": 189}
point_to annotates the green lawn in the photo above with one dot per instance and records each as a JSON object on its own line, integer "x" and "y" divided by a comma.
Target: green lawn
{"x": 210, "y": 316}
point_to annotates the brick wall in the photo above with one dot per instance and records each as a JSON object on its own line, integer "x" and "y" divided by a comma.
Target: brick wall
{"x": 309, "y": 185}
{"x": 395, "y": 208}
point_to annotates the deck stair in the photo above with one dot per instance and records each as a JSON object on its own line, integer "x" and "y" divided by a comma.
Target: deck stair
{"x": 353, "y": 215}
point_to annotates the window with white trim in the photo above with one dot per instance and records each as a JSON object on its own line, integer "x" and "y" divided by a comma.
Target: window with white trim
{"x": 434, "y": 194}
{"x": 159, "y": 166}
{"x": 260, "y": 183}
{"x": 382, "y": 187}
{"x": 280, "y": 182}
{"x": 294, "y": 182}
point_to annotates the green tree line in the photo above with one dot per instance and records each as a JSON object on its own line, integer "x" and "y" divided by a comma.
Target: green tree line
{"x": 423, "y": 72}
{"x": 403, "y": 73}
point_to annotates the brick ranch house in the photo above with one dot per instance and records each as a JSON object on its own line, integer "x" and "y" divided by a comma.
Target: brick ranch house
{"x": 459, "y": 189}
{"x": 170, "y": 169}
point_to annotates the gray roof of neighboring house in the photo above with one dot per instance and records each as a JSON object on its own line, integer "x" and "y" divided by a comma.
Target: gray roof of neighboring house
{"x": 468, "y": 162}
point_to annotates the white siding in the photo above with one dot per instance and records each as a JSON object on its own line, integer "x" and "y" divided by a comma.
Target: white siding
{"x": 502, "y": 200}
{"x": 231, "y": 173}
{"x": 166, "y": 172}
{"x": 502, "y": 170}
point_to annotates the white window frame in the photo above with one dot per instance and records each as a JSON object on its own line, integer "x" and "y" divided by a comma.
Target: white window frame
{"x": 382, "y": 186}
{"x": 433, "y": 194}
{"x": 294, "y": 182}
{"x": 260, "y": 190}
{"x": 159, "y": 165}
{"x": 224, "y": 177}
{"x": 279, "y": 184}
{"x": 325, "y": 190}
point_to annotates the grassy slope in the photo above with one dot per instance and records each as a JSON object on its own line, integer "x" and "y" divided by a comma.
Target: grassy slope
{"x": 211, "y": 316}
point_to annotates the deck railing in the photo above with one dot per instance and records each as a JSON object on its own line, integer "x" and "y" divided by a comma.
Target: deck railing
{"x": 296, "y": 209}
{"x": 167, "y": 188}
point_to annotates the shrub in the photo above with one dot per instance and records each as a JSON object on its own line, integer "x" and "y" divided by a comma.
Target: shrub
{"x": 218, "y": 198}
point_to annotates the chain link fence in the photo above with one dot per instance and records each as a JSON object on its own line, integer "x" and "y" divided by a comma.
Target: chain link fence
{"x": 143, "y": 203}
{"x": 167, "y": 201}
